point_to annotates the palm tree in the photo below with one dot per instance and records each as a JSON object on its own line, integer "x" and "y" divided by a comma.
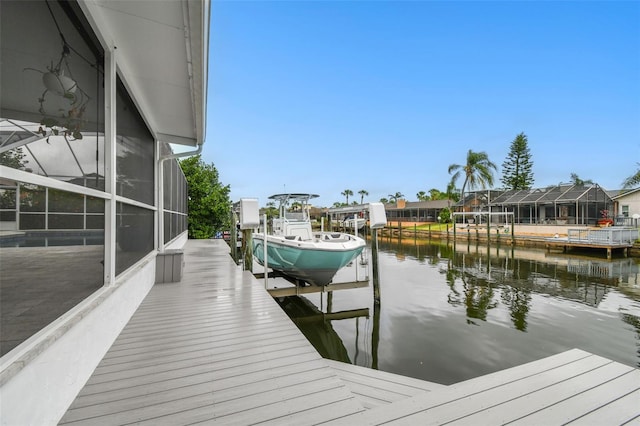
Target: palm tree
{"x": 384, "y": 200}
{"x": 271, "y": 210}
{"x": 363, "y": 193}
{"x": 633, "y": 180}
{"x": 422, "y": 196}
{"x": 575, "y": 179}
{"x": 395, "y": 197}
{"x": 435, "y": 194}
{"x": 477, "y": 171}
{"x": 347, "y": 193}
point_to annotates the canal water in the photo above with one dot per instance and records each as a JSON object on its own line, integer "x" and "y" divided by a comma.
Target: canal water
{"x": 450, "y": 313}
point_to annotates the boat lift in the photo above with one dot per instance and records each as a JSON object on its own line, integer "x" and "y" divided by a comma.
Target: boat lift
{"x": 250, "y": 221}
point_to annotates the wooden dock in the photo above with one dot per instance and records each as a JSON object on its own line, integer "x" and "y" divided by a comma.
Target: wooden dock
{"x": 608, "y": 238}
{"x": 216, "y": 348}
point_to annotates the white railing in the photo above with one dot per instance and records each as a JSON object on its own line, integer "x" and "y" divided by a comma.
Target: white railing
{"x": 613, "y": 235}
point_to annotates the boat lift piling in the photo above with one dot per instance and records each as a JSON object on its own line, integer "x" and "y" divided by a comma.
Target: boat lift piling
{"x": 266, "y": 258}
{"x": 249, "y": 220}
{"x": 377, "y": 220}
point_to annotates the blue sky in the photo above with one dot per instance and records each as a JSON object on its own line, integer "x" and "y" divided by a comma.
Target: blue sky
{"x": 382, "y": 96}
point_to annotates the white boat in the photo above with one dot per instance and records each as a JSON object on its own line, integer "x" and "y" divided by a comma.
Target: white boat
{"x": 350, "y": 222}
{"x": 299, "y": 252}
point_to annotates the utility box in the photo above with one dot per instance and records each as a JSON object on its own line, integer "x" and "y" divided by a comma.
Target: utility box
{"x": 249, "y": 213}
{"x": 169, "y": 266}
{"x": 377, "y": 216}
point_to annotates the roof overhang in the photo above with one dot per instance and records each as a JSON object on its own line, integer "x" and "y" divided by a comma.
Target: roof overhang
{"x": 162, "y": 57}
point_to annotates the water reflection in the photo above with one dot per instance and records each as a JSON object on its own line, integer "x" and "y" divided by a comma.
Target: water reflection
{"x": 316, "y": 325}
{"x": 448, "y": 313}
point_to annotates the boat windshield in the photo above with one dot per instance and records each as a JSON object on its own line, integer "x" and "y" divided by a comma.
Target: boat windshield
{"x": 294, "y": 207}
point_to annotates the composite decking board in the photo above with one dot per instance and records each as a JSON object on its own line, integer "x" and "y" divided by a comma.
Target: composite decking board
{"x": 175, "y": 340}
{"x": 375, "y": 379}
{"x": 276, "y": 402}
{"x": 162, "y": 371}
{"x": 186, "y": 361}
{"x": 230, "y": 360}
{"x": 375, "y": 395}
{"x": 622, "y": 411}
{"x": 185, "y": 353}
{"x": 278, "y": 415}
{"x": 225, "y": 332}
{"x": 189, "y": 316}
{"x": 157, "y": 346}
{"x": 216, "y": 391}
{"x": 508, "y": 403}
{"x": 133, "y": 383}
{"x": 224, "y": 378}
{"x": 214, "y": 346}
{"x": 382, "y": 377}
{"x": 314, "y": 416}
{"x": 510, "y": 395}
{"x": 602, "y": 397}
{"x": 181, "y": 383}
{"x": 203, "y": 304}
{"x": 410, "y": 406}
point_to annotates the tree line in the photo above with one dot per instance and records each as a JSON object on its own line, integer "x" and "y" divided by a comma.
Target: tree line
{"x": 210, "y": 207}
{"x": 477, "y": 172}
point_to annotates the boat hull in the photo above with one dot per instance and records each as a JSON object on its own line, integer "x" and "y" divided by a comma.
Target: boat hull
{"x": 315, "y": 262}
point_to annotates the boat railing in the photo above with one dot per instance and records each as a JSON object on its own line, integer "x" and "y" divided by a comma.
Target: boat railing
{"x": 295, "y": 216}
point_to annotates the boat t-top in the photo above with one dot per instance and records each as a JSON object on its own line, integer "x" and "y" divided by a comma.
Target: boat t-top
{"x": 297, "y": 251}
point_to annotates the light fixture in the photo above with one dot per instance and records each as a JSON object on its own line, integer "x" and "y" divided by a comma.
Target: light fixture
{"x": 58, "y": 79}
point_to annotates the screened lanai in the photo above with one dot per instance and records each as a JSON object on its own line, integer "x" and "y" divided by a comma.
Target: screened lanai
{"x": 563, "y": 204}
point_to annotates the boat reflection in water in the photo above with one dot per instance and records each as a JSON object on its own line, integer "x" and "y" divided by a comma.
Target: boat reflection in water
{"x": 449, "y": 313}
{"x": 316, "y": 325}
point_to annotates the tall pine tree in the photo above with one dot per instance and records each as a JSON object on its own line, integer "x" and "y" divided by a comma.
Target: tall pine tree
{"x": 516, "y": 169}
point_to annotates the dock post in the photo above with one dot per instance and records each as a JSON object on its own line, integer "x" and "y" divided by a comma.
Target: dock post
{"x": 375, "y": 332}
{"x": 513, "y": 232}
{"x": 265, "y": 253}
{"x": 233, "y": 234}
{"x": 247, "y": 263}
{"x": 489, "y": 228}
{"x": 374, "y": 266}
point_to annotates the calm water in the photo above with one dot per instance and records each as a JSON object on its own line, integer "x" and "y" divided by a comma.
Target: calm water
{"x": 449, "y": 314}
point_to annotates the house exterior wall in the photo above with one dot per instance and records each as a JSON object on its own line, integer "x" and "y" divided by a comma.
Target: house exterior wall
{"x": 631, "y": 200}
{"x": 41, "y": 392}
{"x": 110, "y": 194}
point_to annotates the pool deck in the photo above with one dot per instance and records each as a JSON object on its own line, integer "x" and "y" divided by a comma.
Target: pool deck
{"x": 216, "y": 348}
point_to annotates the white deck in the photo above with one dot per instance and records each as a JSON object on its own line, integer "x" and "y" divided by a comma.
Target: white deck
{"x": 217, "y": 348}
{"x": 571, "y": 387}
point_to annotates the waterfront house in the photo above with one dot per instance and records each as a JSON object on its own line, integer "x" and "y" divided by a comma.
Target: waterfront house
{"x": 563, "y": 204}
{"x": 93, "y": 95}
{"x": 626, "y": 207}
{"x": 416, "y": 211}
{"x": 400, "y": 211}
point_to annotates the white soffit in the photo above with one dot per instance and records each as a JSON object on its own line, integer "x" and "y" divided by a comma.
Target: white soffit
{"x": 162, "y": 55}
